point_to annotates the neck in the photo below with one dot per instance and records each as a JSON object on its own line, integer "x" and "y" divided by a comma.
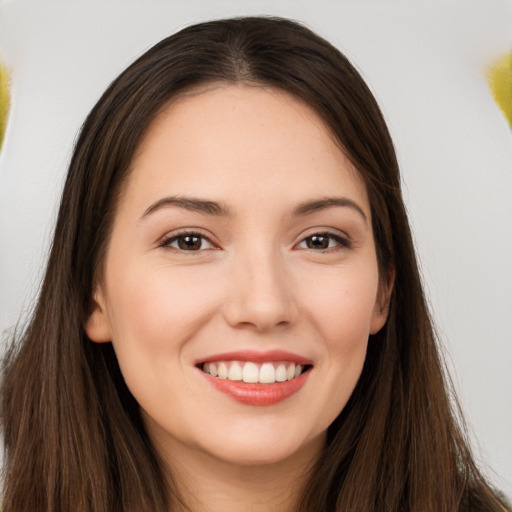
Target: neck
{"x": 208, "y": 484}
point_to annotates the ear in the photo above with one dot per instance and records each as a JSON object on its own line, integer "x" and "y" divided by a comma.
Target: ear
{"x": 97, "y": 325}
{"x": 381, "y": 309}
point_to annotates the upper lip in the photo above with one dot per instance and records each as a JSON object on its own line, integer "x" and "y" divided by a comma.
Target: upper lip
{"x": 257, "y": 357}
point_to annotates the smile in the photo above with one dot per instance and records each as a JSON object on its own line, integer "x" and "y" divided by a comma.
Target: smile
{"x": 255, "y": 378}
{"x": 253, "y": 372}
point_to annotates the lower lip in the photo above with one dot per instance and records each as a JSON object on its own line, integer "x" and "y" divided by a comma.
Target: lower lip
{"x": 258, "y": 394}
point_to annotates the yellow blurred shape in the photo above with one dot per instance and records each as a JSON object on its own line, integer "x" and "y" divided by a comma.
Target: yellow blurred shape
{"x": 500, "y": 80}
{"x": 4, "y": 101}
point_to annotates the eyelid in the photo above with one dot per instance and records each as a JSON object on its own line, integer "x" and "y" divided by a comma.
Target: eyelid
{"x": 343, "y": 240}
{"x": 168, "y": 238}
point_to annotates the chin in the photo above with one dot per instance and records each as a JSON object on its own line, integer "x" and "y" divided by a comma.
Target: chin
{"x": 264, "y": 449}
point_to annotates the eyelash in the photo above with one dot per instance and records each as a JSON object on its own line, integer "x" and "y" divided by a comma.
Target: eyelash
{"x": 166, "y": 243}
{"x": 342, "y": 242}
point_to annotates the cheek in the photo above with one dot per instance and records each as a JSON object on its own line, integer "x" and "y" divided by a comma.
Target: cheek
{"x": 157, "y": 305}
{"x": 341, "y": 303}
{"x": 154, "y": 312}
{"x": 340, "y": 307}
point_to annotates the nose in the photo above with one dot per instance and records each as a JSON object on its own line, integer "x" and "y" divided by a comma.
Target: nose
{"x": 261, "y": 295}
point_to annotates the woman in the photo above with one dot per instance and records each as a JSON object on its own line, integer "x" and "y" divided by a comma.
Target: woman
{"x": 232, "y": 316}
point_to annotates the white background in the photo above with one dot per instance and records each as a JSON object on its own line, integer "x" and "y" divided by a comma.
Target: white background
{"x": 426, "y": 62}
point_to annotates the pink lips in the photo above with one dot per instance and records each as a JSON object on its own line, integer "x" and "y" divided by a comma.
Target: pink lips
{"x": 258, "y": 394}
{"x": 258, "y": 357}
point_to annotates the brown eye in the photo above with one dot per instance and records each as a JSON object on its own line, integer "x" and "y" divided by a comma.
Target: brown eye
{"x": 324, "y": 241}
{"x": 188, "y": 242}
{"x": 317, "y": 242}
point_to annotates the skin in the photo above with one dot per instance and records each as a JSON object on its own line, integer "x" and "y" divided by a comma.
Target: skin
{"x": 258, "y": 284}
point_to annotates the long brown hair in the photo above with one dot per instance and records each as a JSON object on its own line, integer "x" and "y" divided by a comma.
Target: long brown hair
{"x": 73, "y": 434}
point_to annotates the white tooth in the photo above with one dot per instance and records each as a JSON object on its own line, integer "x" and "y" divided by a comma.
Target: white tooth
{"x": 213, "y": 370}
{"x": 206, "y": 368}
{"x": 267, "y": 373}
{"x": 290, "y": 373}
{"x": 281, "y": 374}
{"x": 235, "y": 371}
{"x": 250, "y": 373}
{"x": 298, "y": 370}
{"x": 222, "y": 371}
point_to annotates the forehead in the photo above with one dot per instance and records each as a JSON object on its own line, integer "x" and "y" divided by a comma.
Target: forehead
{"x": 244, "y": 141}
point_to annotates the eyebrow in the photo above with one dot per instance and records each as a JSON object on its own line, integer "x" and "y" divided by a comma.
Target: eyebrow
{"x": 309, "y": 207}
{"x": 189, "y": 203}
{"x": 218, "y": 209}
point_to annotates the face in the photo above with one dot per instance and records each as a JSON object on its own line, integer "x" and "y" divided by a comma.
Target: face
{"x": 240, "y": 283}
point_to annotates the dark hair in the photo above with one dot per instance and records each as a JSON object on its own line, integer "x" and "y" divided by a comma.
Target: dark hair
{"x": 74, "y": 437}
